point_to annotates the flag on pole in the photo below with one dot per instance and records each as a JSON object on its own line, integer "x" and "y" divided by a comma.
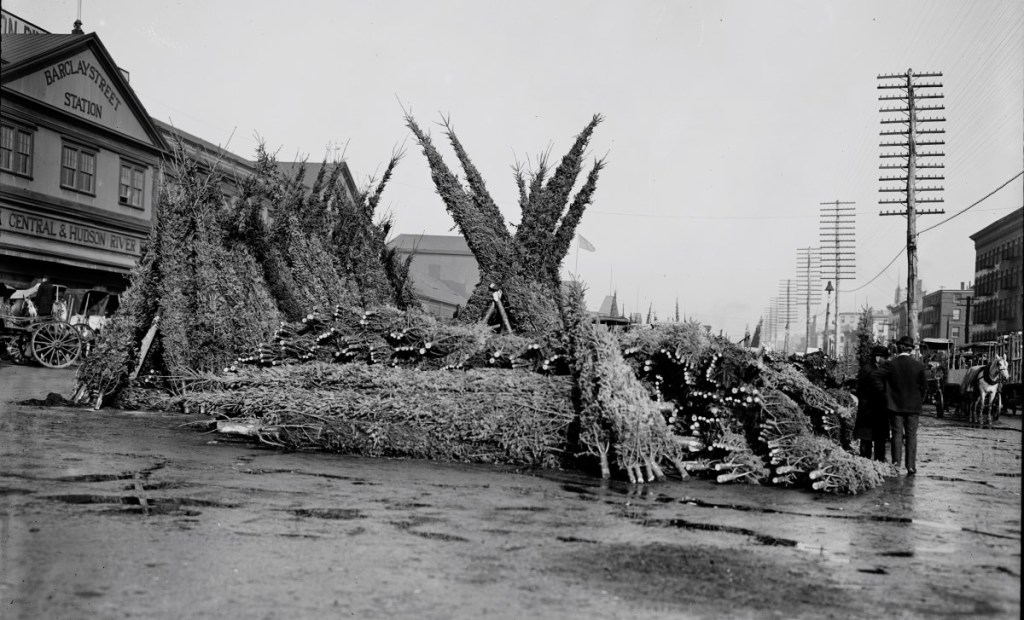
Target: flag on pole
{"x": 584, "y": 244}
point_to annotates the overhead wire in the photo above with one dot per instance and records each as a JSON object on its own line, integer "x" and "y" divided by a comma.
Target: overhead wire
{"x": 962, "y": 211}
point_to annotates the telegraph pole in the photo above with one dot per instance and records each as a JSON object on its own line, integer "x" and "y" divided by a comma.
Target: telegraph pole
{"x": 786, "y": 314}
{"x": 808, "y": 286}
{"x": 906, "y": 177}
{"x": 837, "y": 248}
{"x": 966, "y": 301}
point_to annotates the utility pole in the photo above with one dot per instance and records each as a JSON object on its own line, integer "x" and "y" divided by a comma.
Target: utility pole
{"x": 773, "y": 318}
{"x": 838, "y": 245}
{"x": 967, "y": 300}
{"x": 906, "y": 176}
{"x": 787, "y": 312}
{"x": 828, "y": 304}
{"x": 808, "y": 285}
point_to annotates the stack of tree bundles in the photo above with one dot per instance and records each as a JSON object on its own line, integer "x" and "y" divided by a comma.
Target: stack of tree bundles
{"x": 407, "y": 338}
{"x": 747, "y": 419}
{"x": 800, "y": 458}
{"x": 829, "y": 417}
{"x": 488, "y": 416}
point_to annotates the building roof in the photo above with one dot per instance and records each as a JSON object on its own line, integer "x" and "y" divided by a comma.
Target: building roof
{"x": 24, "y": 54}
{"x": 207, "y": 152}
{"x": 431, "y": 244}
{"x": 430, "y": 288}
{"x": 1015, "y": 220}
{"x": 16, "y": 48}
{"x": 290, "y": 169}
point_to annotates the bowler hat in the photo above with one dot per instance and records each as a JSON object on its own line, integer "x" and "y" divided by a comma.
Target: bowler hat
{"x": 879, "y": 351}
{"x": 906, "y": 341}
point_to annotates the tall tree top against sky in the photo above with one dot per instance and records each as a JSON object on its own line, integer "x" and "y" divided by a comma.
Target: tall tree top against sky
{"x": 727, "y": 122}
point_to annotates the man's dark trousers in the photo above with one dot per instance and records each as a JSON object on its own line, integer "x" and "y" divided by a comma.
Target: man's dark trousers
{"x": 904, "y": 427}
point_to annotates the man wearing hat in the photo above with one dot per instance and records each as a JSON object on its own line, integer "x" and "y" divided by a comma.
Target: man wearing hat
{"x": 872, "y": 427}
{"x": 905, "y": 387}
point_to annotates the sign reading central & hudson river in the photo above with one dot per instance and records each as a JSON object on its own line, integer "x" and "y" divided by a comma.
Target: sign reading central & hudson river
{"x": 67, "y": 232}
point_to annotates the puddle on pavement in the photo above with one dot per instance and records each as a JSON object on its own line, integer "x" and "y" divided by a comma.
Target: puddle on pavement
{"x": 175, "y": 506}
{"x": 439, "y": 536}
{"x": 328, "y": 513}
{"x": 763, "y": 539}
{"x": 141, "y": 474}
{"x": 157, "y": 486}
{"x": 97, "y": 477}
{"x": 113, "y": 499}
{"x": 576, "y": 539}
{"x": 896, "y": 554}
{"x": 952, "y": 479}
{"x": 14, "y": 491}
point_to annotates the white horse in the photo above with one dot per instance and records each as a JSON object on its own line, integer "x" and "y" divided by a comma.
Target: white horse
{"x": 982, "y": 385}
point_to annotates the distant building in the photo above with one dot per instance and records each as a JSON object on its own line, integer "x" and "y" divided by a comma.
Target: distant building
{"x": 998, "y": 304}
{"x": 849, "y": 325}
{"x": 443, "y": 270}
{"x": 898, "y": 311}
{"x": 79, "y": 162}
{"x": 944, "y": 314}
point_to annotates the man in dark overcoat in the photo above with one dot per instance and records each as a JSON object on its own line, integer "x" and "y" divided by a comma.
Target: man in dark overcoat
{"x": 872, "y": 427}
{"x": 905, "y": 387}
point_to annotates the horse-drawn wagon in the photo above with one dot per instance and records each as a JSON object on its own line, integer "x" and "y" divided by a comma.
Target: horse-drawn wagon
{"x": 29, "y": 332}
{"x": 988, "y": 374}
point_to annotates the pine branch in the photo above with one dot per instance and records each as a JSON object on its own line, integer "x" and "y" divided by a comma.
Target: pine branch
{"x": 374, "y": 199}
{"x": 562, "y": 182}
{"x": 477, "y": 187}
{"x": 567, "y": 228}
{"x": 491, "y": 250}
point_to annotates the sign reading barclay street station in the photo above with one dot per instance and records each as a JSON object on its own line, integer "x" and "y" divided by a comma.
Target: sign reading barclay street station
{"x": 89, "y": 71}
{"x": 81, "y": 85}
{"x": 66, "y": 231}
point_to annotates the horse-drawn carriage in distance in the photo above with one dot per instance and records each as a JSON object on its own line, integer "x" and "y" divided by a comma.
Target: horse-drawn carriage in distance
{"x": 977, "y": 381}
{"x": 51, "y": 324}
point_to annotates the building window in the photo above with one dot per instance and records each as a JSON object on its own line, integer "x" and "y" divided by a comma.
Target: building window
{"x": 954, "y": 332}
{"x": 78, "y": 170}
{"x": 132, "y": 185}
{"x": 956, "y": 314}
{"x": 16, "y": 150}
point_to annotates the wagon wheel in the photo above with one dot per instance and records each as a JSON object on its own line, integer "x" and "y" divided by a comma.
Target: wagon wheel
{"x": 88, "y": 336}
{"x": 56, "y": 344}
{"x": 17, "y": 349}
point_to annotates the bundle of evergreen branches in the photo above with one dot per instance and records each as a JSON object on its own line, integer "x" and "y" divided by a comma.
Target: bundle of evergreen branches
{"x": 403, "y": 338}
{"x": 210, "y": 297}
{"x": 221, "y": 273}
{"x": 526, "y": 265}
{"x": 798, "y": 457}
{"x": 478, "y": 415}
{"x": 740, "y": 415}
{"x": 617, "y": 416}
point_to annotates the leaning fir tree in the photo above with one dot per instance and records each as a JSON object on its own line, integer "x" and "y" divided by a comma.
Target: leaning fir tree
{"x": 865, "y": 336}
{"x": 524, "y": 265}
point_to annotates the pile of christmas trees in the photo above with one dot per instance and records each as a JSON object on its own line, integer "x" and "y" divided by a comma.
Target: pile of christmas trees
{"x": 284, "y": 310}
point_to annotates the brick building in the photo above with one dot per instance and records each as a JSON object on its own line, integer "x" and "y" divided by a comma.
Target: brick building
{"x": 944, "y": 315}
{"x": 998, "y": 304}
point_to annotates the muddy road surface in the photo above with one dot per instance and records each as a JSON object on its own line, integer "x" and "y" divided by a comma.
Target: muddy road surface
{"x": 116, "y": 514}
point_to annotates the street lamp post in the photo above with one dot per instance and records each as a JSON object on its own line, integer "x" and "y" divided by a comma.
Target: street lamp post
{"x": 828, "y": 303}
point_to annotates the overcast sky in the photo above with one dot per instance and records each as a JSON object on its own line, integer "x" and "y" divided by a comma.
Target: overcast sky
{"x": 727, "y": 123}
